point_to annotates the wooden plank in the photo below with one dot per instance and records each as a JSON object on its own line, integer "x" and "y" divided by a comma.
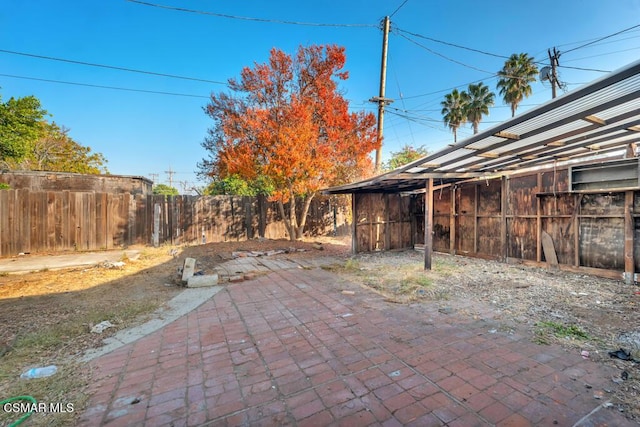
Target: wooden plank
{"x": 539, "y": 222}
{"x": 629, "y": 227}
{"x": 476, "y": 204}
{"x": 5, "y": 227}
{"x": 91, "y": 226}
{"x": 453, "y": 222}
{"x": 38, "y": 216}
{"x": 599, "y": 272}
{"x": 503, "y": 217}
{"x": 387, "y": 229}
{"x": 55, "y": 220}
{"x": 100, "y": 223}
{"x": 549, "y": 250}
{"x": 428, "y": 225}
{"x": 576, "y": 231}
{"x": 5, "y": 230}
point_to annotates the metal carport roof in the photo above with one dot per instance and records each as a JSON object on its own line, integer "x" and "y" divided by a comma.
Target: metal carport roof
{"x": 600, "y": 118}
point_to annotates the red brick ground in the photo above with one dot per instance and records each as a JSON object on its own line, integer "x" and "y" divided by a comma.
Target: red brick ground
{"x": 289, "y": 348}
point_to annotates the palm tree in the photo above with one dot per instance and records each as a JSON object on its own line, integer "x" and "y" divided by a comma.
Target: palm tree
{"x": 478, "y": 100}
{"x": 515, "y": 78}
{"x": 454, "y": 111}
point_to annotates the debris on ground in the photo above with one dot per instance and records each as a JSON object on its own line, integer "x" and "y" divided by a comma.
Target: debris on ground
{"x": 272, "y": 252}
{"x": 113, "y": 264}
{"x": 348, "y": 293}
{"x": 622, "y": 354}
{"x": 42, "y": 372}
{"x": 188, "y": 269}
{"x": 102, "y": 326}
{"x": 201, "y": 281}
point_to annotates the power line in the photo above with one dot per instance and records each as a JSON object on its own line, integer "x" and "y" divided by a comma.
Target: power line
{"x": 448, "y": 89}
{"x": 446, "y": 57}
{"x": 584, "y": 69}
{"x": 398, "y": 8}
{"x": 602, "y": 54}
{"x": 246, "y": 18}
{"x": 601, "y": 38}
{"x": 104, "y": 87}
{"x": 589, "y": 40}
{"x": 451, "y": 44}
{"x": 71, "y": 61}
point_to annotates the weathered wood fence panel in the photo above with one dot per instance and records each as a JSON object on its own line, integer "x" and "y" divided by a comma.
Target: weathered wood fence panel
{"x": 54, "y": 221}
{"x": 505, "y": 218}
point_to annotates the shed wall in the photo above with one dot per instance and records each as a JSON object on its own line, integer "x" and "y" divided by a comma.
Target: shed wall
{"x": 505, "y": 219}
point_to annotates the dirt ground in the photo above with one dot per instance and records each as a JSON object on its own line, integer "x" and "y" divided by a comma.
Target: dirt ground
{"x": 583, "y": 313}
{"x": 40, "y": 300}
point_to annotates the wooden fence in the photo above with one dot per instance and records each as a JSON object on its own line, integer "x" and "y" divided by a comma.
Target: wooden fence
{"x": 56, "y": 221}
{"x": 529, "y": 218}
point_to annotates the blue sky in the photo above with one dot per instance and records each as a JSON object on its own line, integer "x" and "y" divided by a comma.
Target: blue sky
{"x": 144, "y": 133}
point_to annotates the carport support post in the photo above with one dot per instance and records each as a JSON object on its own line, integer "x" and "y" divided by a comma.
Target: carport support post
{"x": 428, "y": 224}
{"x": 629, "y": 226}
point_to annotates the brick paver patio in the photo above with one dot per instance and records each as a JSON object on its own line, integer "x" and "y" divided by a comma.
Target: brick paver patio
{"x": 289, "y": 348}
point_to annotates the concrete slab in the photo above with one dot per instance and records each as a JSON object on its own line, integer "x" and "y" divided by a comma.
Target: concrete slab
{"x": 29, "y": 263}
{"x": 202, "y": 281}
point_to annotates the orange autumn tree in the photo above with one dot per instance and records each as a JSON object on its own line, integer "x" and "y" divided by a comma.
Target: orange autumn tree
{"x": 285, "y": 126}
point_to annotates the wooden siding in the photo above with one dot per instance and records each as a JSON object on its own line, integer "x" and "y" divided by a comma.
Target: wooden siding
{"x": 504, "y": 219}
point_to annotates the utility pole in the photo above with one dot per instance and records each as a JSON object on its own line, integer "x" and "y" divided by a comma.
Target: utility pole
{"x": 170, "y": 173}
{"x": 154, "y": 177}
{"x": 381, "y": 100}
{"x": 553, "y": 59}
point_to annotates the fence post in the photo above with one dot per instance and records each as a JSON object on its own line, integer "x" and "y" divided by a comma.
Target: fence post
{"x": 157, "y": 212}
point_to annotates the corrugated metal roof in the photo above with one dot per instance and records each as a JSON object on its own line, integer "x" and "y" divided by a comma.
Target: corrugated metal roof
{"x": 599, "y": 118}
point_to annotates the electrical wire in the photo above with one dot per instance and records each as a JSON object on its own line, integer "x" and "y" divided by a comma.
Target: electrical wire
{"x": 398, "y": 8}
{"x": 602, "y": 38}
{"x": 583, "y": 69}
{"x": 446, "y": 57}
{"x": 90, "y": 64}
{"x": 104, "y": 87}
{"x": 451, "y": 44}
{"x": 602, "y": 54}
{"x": 246, "y": 18}
{"x": 448, "y": 89}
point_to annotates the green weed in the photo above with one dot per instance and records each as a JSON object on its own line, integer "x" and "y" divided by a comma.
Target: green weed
{"x": 546, "y": 330}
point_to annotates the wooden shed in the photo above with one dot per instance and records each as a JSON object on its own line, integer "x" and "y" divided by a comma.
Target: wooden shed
{"x": 559, "y": 185}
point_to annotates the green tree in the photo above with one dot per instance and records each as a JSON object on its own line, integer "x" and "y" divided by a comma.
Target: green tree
{"x": 165, "y": 190}
{"x": 478, "y": 99}
{"x": 29, "y": 142}
{"x": 454, "y": 111}
{"x": 515, "y": 78}
{"x": 57, "y": 151}
{"x": 406, "y": 155}
{"x": 19, "y": 127}
{"x": 237, "y": 186}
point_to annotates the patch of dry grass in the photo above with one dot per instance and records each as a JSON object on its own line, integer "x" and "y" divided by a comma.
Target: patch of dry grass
{"x": 401, "y": 282}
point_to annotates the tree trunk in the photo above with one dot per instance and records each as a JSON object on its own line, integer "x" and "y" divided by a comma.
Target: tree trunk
{"x": 293, "y": 224}
{"x": 303, "y": 216}
{"x": 287, "y": 222}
